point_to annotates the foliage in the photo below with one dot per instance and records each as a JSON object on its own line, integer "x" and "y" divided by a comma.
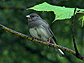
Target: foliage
{"x": 60, "y": 12}
{"x": 82, "y": 18}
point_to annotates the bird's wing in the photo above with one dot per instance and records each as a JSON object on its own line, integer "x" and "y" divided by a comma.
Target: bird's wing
{"x": 52, "y": 34}
{"x": 47, "y": 27}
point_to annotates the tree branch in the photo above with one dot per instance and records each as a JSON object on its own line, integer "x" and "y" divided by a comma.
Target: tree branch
{"x": 73, "y": 36}
{"x": 73, "y": 32}
{"x": 12, "y": 7}
{"x": 41, "y": 42}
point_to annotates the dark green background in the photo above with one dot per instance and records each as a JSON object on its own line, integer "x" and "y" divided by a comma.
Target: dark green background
{"x": 14, "y": 49}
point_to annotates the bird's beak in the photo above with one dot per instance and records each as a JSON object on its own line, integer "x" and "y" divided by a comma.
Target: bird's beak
{"x": 28, "y": 16}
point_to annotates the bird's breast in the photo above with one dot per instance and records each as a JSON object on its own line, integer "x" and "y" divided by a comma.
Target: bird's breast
{"x": 39, "y": 32}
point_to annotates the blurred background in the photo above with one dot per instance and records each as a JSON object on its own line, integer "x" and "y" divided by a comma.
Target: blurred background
{"x": 14, "y": 49}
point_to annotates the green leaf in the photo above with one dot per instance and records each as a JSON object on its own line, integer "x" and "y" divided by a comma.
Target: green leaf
{"x": 60, "y": 12}
{"x": 82, "y": 21}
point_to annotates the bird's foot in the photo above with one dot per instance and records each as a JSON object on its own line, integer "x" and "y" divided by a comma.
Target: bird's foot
{"x": 49, "y": 41}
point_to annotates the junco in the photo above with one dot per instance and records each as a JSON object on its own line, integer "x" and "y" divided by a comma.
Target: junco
{"x": 40, "y": 29}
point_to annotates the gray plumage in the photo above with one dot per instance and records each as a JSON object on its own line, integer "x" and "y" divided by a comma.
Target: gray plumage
{"x": 40, "y": 29}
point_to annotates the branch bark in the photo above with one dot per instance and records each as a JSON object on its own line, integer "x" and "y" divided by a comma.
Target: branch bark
{"x": 11, "y": 7}
{"x": 78, "y": 55}
{"x": 41, "y": 42}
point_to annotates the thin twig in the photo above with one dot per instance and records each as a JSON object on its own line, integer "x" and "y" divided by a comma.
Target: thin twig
{"x": 73, "y": 32}
{"x": 12, "y": 7}
{"x": 73, "y": 36}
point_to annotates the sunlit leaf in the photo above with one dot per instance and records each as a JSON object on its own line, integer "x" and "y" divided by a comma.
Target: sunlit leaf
{"x": 60, "y": 12}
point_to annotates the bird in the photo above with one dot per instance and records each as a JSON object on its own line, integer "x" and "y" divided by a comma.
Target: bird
{"x": 40, "y": 29}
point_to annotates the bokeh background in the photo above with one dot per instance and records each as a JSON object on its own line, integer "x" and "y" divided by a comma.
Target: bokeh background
{"x": 14, "y": 49}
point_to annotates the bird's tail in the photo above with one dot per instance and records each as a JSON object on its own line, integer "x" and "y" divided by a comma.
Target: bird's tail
{"x": 59, "y": 51}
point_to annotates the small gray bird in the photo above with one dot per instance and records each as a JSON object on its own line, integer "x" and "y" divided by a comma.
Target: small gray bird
{"x": 40, "y": 29}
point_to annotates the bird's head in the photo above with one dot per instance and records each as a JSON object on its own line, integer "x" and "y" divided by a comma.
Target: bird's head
{"x": 33, "y": 17}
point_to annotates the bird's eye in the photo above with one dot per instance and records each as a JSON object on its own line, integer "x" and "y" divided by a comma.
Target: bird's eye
{"x": 32, "y": 16}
